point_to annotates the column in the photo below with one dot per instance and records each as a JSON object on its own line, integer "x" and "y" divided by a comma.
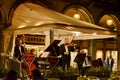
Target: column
{"x": 1, "y": 49}
{"x": 118, "y": 47}
{"x": 92, "y": 49}
{"x": 104, "y": 49}
{"x": 1, "y": 42}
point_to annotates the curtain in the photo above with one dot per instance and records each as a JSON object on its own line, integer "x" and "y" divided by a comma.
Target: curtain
{"x": 8, "y": 41}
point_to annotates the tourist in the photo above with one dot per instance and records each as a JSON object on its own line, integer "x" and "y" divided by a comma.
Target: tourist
{"x": 111, "y": 63}
{"x": 106, "y": 62}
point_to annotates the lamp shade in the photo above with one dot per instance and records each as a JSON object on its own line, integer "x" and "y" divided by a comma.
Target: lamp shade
{"x": 76, "y": 16}
{"x": 109, "y": 22}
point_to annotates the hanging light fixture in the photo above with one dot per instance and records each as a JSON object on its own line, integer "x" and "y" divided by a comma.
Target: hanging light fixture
{"x": 109, "y": 22}
{"x": 76, "y": 15}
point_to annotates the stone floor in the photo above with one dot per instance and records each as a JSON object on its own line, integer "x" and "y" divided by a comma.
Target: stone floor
{"x": 115, "y": 75}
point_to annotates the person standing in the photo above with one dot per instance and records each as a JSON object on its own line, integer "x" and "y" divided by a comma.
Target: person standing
{"x": 19, "y": 49}
{"x": 111, "y": 63}
{"x": 106, "y": 62}
{"x": 65, "y": 50}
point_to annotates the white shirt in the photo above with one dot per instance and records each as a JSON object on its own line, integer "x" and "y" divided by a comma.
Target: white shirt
{"x": 66, "y": 48}
{"x": 110, "y": 61}
{"x": 20, "y": 49}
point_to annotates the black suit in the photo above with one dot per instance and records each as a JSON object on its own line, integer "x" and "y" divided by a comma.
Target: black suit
{"x": 65, "y": 58}
{"x": 111, "y": 64}
{"x": 17, "y": 50}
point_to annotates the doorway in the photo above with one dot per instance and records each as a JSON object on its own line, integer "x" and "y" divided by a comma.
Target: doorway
{"x": 114, "y": 55}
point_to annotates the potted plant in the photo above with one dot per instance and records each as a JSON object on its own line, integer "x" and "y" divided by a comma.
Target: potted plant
{"x": 100, "y": 72}
{"x": 55, "y": 73}
{"x": 3, "y": 72}
{"x": 70, "y": 74}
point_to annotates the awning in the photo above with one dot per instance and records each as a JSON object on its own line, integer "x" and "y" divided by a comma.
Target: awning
{"x": 31, "y": 18}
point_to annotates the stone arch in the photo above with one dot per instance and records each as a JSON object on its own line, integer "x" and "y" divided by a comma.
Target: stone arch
{"x": 84, "y": 11}
{"x": 17, "y": 3}
{"x": 109, "y": 15}
{"x": 3, "y": 21}
{"x": 3, "y": 16}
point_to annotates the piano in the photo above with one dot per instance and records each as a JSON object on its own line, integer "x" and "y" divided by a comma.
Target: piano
{"x": 53, "y": 48}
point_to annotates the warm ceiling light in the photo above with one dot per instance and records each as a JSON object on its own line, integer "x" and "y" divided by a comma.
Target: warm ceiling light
{"x": 109, "y": 22}
{"x": 115, "y": 29}
{"x": 76, "y": 33}
{"x": 76, "y": 16}
{"x": 94, "y": 33}
{"x": 21, "y": 26}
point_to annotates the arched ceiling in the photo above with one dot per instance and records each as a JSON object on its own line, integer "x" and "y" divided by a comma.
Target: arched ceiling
{"x": 103, "y": 21}
{"x": 115, "y": 22}
{"x": 83, "y": 15}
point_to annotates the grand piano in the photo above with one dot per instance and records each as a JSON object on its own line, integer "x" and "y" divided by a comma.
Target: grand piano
{"x": 53, "y": 48}
{"x": 53, "y": 58}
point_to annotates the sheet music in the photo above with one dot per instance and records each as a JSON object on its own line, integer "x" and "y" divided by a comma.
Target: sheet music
{"x": 45, "y": 54}
{"x": 73, "y": 55}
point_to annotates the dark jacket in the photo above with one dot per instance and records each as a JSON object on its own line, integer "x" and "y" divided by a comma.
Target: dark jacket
{"x": 17, "y": 50}
{"x": 62, "y": 50}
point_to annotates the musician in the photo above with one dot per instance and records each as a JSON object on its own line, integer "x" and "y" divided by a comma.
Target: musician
{"x": 19, "y": 48}
{"x": 65, "y": 50}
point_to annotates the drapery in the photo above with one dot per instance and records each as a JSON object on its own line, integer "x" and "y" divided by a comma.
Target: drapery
{"x": 8, "y": 41}
{"x": 10, "y": 34}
